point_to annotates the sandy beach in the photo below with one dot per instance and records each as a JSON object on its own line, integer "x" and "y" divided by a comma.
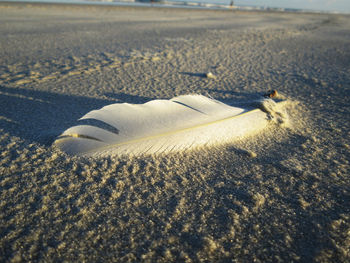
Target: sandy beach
{"x": 280, "y": 195}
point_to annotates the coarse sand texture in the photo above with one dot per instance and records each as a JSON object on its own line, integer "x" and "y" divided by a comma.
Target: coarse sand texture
{"x": 108, "y": 155}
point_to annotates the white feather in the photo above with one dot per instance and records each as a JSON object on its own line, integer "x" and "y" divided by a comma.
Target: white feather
{"x": 158, "y": 126}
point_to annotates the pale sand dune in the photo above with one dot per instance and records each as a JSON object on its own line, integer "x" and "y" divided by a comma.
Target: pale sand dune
{"x": 281, "y": 195}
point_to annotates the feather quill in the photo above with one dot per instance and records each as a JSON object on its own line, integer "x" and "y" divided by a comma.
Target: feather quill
{"x": 159, "y": 126}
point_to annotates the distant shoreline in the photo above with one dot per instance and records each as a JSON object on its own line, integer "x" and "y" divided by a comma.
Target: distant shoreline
{"x": 127, "y": 5}
{"x": 167, "y": 5}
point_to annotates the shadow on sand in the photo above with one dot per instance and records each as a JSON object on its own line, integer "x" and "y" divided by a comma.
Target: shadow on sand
{"x": 246, "y": 100}
{"x": 192, "y": 74}
{"x": 40, "y": 116}
{"x": 128, "y": 98}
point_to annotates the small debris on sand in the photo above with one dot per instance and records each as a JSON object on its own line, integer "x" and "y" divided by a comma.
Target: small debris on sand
{"x": 210, "y": 75}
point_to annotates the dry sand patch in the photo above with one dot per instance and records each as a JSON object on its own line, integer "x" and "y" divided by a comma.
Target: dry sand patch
{"x": 282, "y": 195}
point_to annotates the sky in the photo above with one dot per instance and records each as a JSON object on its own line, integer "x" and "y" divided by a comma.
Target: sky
{"x": 320, "y": 5}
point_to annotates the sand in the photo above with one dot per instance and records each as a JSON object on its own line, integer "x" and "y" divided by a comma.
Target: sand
{"x": 280, "y": 195}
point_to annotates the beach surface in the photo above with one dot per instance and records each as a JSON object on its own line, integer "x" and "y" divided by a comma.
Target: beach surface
{"x": 280, "y": 195}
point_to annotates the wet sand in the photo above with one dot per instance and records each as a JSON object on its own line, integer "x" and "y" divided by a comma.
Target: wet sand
{"x": 280, "y": 195}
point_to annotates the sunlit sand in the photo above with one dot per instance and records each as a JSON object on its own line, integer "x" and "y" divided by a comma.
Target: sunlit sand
{"x": 279, "y": 194}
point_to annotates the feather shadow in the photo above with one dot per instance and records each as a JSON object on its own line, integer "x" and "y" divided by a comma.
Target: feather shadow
{"x": 40, "y": 116}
